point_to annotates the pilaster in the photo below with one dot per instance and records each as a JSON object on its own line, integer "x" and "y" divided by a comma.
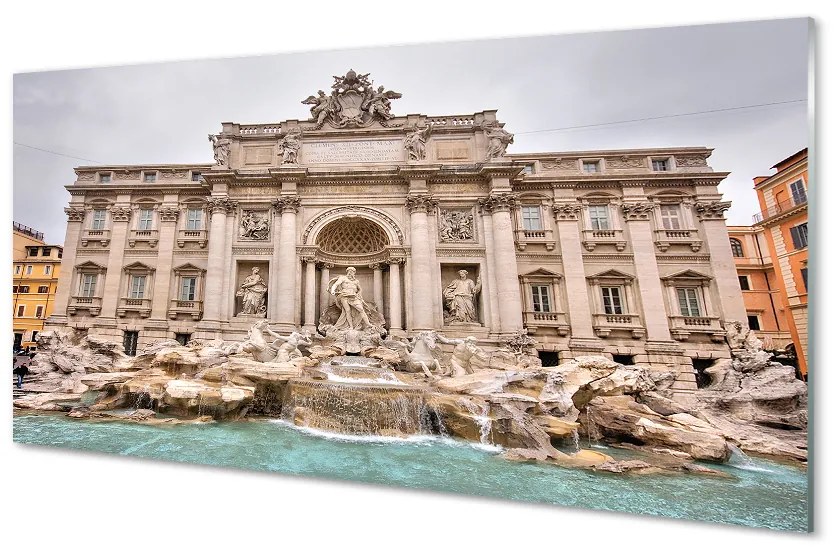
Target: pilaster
{"x": 286, "y": 206}
{"x": 568, "y": 235}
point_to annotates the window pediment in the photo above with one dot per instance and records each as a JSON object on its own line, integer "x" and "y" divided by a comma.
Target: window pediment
{"x": 138, "y": 267}
{"x": 91, "y": 267}
{"x": 687, "y": 277}
{"x": 611, "y": 276}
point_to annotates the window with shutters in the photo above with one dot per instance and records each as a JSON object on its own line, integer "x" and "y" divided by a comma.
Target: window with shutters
{"x": 797, "y": 192}
{"x": 599, "y": 215}
{"x": 689, "y": 302}
{"x": 540, "y": 298}
{"x": 39, "y": 312}
{"x": 188, "y": 286}
{"x": 611, "y": 297}
{"x": 88, "y": 285}
{"x": 137, "y": 287}
{"x": 43, "y": 289}
{"x": 799, "y": 234}
{"x": 670, "y": 216}
{"x": 737, "y": 248}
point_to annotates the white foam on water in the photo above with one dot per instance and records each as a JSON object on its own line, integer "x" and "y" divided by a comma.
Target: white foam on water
{"x": 421, "y": 439}
{"x": 362, "y": 381}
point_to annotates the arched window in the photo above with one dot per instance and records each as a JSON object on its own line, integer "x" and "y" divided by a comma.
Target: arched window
{"x": 737, "y": 248}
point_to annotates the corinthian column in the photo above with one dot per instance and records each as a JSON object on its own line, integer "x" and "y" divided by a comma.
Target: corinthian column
{"x": 218, "y": 208}
{"x": 420, "y": 207}
{"x": 284, "y": 280}
{"x": 377, "y": 287}
{"x": 725, "y": 276}
{"x": 167, "y": 223}
{"x": 75, "y": 219}
{"x": 504, "y": 255}
{"x": 324, "y": 301}
{"x": 394, "y": 298}
{"x": 309, "y": 296}
{"x": 637, "y": 215}
{"x": 568, "y": 234}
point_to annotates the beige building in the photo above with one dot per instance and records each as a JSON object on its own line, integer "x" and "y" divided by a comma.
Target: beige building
{"x": 624, "y": 253}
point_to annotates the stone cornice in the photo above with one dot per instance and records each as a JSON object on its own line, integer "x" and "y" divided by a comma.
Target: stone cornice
{"x": 497, "y": 169}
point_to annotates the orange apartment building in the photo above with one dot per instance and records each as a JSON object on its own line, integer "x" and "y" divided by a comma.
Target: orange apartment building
{"x": 783, "y": 220}
{"x": 759, "y": 286}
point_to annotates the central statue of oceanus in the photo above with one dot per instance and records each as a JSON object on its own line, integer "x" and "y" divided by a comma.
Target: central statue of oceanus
{"x": 354, "y": 323}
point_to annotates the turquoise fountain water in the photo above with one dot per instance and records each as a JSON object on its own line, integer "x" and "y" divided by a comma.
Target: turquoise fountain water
{"x": 762, "y": 493}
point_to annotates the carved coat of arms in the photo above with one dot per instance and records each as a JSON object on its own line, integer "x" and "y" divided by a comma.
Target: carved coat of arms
{"x": 353, "y": 102}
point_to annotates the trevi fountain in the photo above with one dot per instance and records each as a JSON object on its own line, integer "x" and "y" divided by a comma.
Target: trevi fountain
{"x": 437, "y": 412}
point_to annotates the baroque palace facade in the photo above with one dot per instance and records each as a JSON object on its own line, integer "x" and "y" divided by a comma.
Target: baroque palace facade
{"x": 619, "y": 253}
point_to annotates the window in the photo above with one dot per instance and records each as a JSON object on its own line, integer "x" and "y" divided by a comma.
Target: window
{"x": 35, "y": 335}
{"x": 104, "y": 178}
{"x": 797, "y": 191}
{"x": 29, "y": 270}
{"x": 799, "y": 233}
{"x": 689, "y": 302}
{"x": 21, "y": 311}
{"x": 17, "y": 269}
{"x": 549, "y": 358}
{"x": 88, "y": 285}
{"x": 46, "y": 251}
{"x": 23, "y": 289}
{"x": 144, "y": 220}
{"x": 43, "y": 289}
{"x": 622, "y": 359}
{"x": 39, "y": 311}
{"x": 130, "y": 342}
{"x": 194, "y": 218}
{"x": 182, "y": 338}
{"x": 32, "y": 251}
{"x": 137, "y": 287}
{"x": 196, "y": 176}
{"x": 612, "y": 300}
{"x": 14, "y": 289}
{"x": 804, "y": 272}
{"x": 527, "y": 169}
{"x": 47, "y": 269}
{"x": 531, "y": 218}
{"x": 670, "y": 216}
{"x": 599, "y": 216}
{"x": 659, "y": 165}
{"x": 752, "y": 322}
{"x": 97, "y": 221}
{"x": 187, "y": 288}
{"x": 737, "y": 248}
{"x": 540, "y": 299}
{"x": 591, "y": 166}
{"x": 744, "y": 281}
{"x": 149, "y": 177}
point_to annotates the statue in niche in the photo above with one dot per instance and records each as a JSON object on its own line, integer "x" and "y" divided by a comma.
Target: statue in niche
{"x": 252, "y": 291}
{"x": 289, "y": 146}
{"x": 465, "y": 350}
{"x": 459, "y": 297}
{"x": 221, "y": 149}
{"x": 498, "y": 139}
{"x": 348, "y": 297}
{"x": 415, "y": 142}
{"x": 254, "y": 225}
{"x": 456, "y": 225}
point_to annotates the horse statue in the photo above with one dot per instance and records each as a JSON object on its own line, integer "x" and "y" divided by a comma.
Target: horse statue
{"x": 279, "y": 350}
{"x": 419, "y": 354}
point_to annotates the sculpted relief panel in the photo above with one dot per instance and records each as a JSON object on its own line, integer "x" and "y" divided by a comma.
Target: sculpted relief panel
{"x": 456, "y": 226}
{"x": 254, "y": 225}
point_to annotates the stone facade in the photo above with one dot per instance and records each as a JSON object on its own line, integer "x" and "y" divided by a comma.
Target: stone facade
{"x": 619, "y": 253}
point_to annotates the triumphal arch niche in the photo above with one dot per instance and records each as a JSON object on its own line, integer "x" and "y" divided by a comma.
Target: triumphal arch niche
{"x": 592, "y": 252}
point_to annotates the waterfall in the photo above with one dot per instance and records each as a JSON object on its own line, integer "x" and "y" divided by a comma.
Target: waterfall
{"x": 576, "y": 440}
{"x": 739, "y": 459}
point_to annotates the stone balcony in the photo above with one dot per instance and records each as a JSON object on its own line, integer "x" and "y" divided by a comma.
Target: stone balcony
{"x": 524, "y": 237}
{"x": 683, "y": 326}
{"x": 143, "y": 235}
{"x": 665, "y": 238}
{"x": 593, "y": 237}
{"x": 91, "y": 304}
{"x": 193, "y": 308}
{"x": 556, "y": 320}
{"x": 102, "y": 236}
{"x": 605, "y": 323}
{"x": 192, "y": 236}
{"x": 141, "y": 306}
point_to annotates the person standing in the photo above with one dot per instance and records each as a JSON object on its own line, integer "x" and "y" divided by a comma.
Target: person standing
{"x": 20, "y": 372}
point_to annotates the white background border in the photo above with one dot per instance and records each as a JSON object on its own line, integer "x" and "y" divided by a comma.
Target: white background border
{"x": 55, "y": 498}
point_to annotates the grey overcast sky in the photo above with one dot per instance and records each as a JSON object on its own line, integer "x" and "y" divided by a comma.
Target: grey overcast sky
{"x": 162, "y": 113}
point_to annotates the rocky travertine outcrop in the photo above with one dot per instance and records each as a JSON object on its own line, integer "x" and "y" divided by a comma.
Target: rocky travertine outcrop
{"x": 752, "y": 403}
